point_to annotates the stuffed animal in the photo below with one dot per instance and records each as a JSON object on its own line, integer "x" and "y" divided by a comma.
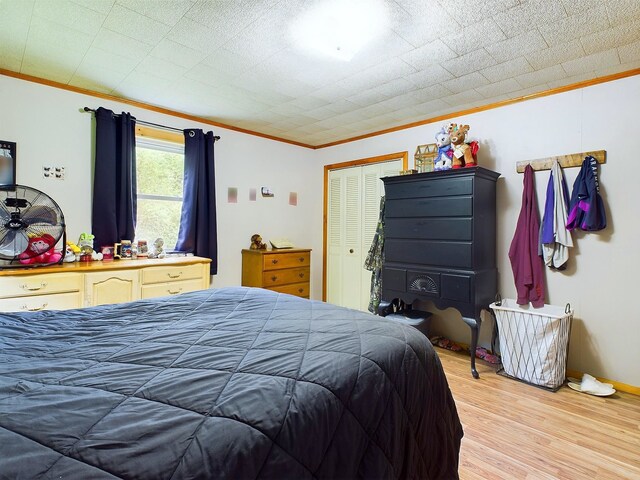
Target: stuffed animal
{"x": 256, "y": 242}
{"x": 464, "y": 154}
{"x": 158, "y": 248}
{"x": 85, "y": 242}
{"x": 443, "y": 142}
{"x": 40, "y": 250}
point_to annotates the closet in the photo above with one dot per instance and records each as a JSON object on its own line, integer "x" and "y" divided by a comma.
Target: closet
{"x": 352, "y": 212}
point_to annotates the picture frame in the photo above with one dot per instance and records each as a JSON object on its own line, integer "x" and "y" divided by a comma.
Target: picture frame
{"x": 7, "y": 162}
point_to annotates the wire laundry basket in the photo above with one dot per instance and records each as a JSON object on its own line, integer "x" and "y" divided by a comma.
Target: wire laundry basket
{"x": 534, "y": 342}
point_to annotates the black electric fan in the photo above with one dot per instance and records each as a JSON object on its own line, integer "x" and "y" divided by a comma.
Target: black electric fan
{"x": 31, "y": 225}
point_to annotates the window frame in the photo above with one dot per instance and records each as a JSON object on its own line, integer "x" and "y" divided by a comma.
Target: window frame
{"x": 159, "y": 140}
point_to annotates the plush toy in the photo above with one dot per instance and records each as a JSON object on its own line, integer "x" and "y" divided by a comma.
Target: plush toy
{"x": 69, "y": 255}
{"x": 256, "y": 242}
{"x": 158, "y": 248}
{"x": 464, "y": 154}
{"x": 85, "y": 242}
{"x": 40, "y": 250}
{"x": 73, "y": 247}
{"x": 443, "y": 142}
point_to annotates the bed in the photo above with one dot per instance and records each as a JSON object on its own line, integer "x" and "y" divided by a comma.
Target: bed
{"x": 223, "y": 383}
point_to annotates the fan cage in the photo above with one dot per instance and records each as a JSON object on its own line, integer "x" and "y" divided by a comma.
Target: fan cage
{"x": 44, "y": 216}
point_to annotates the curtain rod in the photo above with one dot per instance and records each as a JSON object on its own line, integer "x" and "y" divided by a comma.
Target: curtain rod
{"x": 150, "y": 124}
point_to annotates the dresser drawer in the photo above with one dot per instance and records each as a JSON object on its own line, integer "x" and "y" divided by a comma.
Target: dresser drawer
{"x": 298, "y": 289}
{"x": 35, "y": 303}
{"x": 286, "y": 260}
{"x": 171, "y": 273}
{"x": 413, "y": 208}
{"x": 29, "y": 285}
{"x": 171, "y": 288}
{"x": 419, "y": 188}
{"x": 283, "y": 277}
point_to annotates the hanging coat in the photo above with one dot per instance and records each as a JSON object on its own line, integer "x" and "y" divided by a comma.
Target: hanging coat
{"x": 527, "y": 265}
{"x": 555, "y": 239}
{"x": 586, "y": 209}
{"x": 374, "y": 260}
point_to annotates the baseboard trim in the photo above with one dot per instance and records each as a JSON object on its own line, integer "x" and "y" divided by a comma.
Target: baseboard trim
{"x": 622, "y": 387}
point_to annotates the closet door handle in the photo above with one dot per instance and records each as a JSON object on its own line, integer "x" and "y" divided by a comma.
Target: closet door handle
{"x": 351, "y": 250}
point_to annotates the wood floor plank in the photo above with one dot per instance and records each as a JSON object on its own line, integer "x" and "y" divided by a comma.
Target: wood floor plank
{"x": 517, "y": 431}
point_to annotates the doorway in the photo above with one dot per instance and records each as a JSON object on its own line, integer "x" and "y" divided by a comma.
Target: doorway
{"x": 351, "y": 209}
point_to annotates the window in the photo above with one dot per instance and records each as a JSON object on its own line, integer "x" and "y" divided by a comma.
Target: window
{"x": 160, "y": 176}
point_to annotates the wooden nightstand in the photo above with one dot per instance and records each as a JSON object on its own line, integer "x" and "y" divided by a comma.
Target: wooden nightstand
{"x": 284, "y": 270}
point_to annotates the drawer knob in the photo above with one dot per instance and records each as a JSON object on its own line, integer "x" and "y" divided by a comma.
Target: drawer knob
{"x": 274, "y": 261}
{"x": 351, "y": 250}
{"x": 301, "y": 275}
{"x": 274, "y": 278}
{"x": 301, "y": 290}
{"x": 301, "y": 259}
{"x": 174, "y": 276}
{"x": 34, "y": 309}
{"x": 174, "y": 292}
{"x": 42, "y": 285}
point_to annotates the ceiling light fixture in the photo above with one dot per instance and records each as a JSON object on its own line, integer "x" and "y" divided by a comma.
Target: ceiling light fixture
{"x": 340, "y": 28}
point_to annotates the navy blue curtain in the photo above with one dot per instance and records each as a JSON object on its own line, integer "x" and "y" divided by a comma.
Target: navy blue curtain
{"x": 198, "y": 230}
{"x": 114, "y": 184}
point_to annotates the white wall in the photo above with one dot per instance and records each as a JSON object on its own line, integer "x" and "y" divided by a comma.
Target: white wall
{"x": 50, "y": 129}
{"x": 600, "y": 282}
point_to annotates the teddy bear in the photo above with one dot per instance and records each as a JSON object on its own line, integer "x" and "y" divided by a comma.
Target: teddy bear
{"x": 40, "y": 250}
{"x": 464, "y": 154}
{"x": 256, "y": 242}
{"x": 443, "y": 142}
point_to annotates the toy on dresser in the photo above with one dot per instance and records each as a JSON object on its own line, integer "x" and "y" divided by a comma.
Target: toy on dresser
{"x": 464, "y": 154}
{"x": 158, "y": 249}
{"x": 445, "y": 153}
{"x": 256, "y": 242}
{"x": 40, "y": 250}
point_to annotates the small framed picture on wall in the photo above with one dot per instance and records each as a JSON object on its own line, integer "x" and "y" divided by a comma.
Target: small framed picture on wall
{"x": 7, "y": 163}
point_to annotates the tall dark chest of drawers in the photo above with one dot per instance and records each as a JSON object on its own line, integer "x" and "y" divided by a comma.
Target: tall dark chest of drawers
{"x": 440, "y": 237}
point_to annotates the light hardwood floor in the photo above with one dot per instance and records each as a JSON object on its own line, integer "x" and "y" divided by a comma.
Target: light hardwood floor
{"x": 513, "y": 430}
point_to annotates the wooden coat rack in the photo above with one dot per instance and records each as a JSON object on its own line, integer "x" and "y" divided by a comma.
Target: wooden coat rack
{"x": 571, "y": 160}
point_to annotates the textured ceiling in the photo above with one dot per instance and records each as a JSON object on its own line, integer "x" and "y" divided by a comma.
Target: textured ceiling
{"x": 235, "y": 62}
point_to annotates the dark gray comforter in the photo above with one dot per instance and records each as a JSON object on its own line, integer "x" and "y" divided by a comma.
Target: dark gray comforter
{"x": 229, "y": 383}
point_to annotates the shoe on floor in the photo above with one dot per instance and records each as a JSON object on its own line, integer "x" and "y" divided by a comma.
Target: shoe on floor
{"x": 592, "y": 386}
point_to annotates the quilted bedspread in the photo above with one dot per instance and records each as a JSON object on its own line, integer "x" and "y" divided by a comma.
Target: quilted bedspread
{"x": 224, "y": 383}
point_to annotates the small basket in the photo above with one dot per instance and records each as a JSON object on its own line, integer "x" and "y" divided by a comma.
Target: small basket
{"x": 534, "y": 342}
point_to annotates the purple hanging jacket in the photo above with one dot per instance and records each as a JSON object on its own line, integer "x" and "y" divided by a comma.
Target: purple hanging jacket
{"x": 527, "y": 265}
{"x": 586, "y": 209}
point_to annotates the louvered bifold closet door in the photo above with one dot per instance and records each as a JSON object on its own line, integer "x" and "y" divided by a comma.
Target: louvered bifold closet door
{"x": 344, "y": 238}
{"x": 353, "y": 209}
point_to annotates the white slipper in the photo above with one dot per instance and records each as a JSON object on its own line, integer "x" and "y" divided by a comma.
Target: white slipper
{"x": 592, "y": 386}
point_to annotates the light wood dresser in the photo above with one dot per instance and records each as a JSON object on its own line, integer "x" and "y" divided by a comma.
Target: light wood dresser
{"x": 75, "y": 285}
{"x": 285, "y": 270}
